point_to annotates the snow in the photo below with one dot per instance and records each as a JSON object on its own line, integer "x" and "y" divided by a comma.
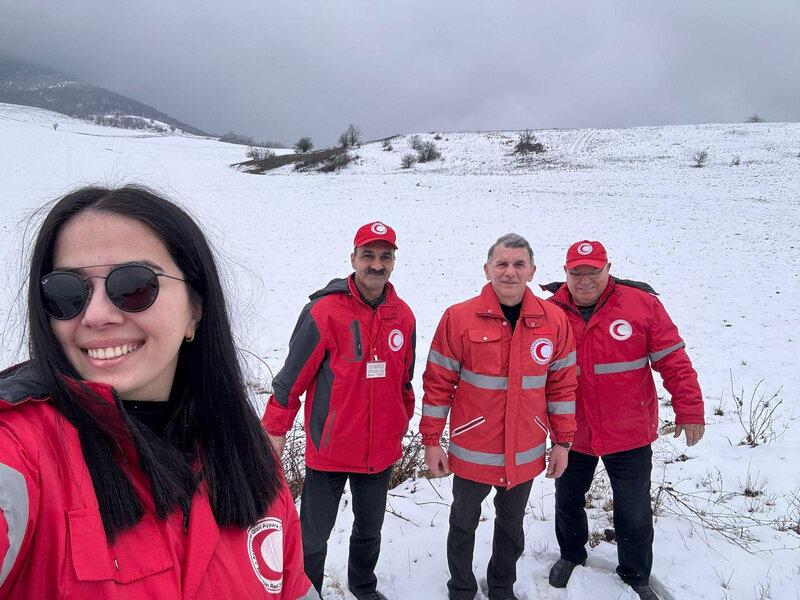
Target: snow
{"x": 719, "y": 243}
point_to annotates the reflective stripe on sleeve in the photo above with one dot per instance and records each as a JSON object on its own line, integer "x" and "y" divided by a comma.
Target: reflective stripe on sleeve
{"x": 620, "y": 367}
{"x": 533, "y": 382}
{"x": 443, "y": 361}
{"x": 656, "y": 356}
{"x": 562, "y": 363}
{"x": 487, "y": 382}
{"x": 561, "y": 408}
{"x": 438, "y": 412}
{"x": 14, "y": 504}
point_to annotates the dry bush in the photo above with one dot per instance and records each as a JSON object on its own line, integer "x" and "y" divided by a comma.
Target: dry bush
{"x": 408, "y": 161}
{"x": 527, "y": 142}
{"x": 256, "y": 153}
{"x": 700, "y": 158}
{"x": 756, "y": 415}
{"x": 387, "y": 145}
{"x": 428, "y": 152}
{"x": 411, "y": 462}
{"x": 294, "y": 460}
{"x": 414, "y": 142}
{"x": 339, "y": 161}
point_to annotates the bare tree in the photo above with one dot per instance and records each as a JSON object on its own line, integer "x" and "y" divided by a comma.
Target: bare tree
{"x": 754, "y": 118}
{"x": 428, "y": 152}
{"x": 55, "y": 126}
{"x": 351, "y": 138}
{"x": 304, "y": 144}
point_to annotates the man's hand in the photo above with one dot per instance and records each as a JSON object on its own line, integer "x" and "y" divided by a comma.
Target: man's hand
{"x": 436, "y": 459}
{"x": 558, "y": 461}
{"x": 278, "y": 442}
{"x": 694, "y": 433}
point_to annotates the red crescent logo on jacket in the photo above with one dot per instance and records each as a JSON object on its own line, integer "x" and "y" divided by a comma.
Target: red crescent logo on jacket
{"x": 378, "y": 228}
{"x": 585, "y": 249}
{"x": 265, "y": 548}
{"x": 396, "y": 339}
{"x": 542, "y": 350}
{"x": 620, "y": 329}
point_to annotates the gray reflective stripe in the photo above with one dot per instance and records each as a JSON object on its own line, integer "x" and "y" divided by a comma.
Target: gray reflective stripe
{"x": 656, "y": 356}
{"x": 533, "y": 382}
{"x": 440, "y": 412}
{"x": 562, "y": 363}
{"x": 579, "y": 370}
{"x": 311, "y": 594}
{"x": 479, "y": 458}
{"x": 620, "y": 367}
{"x": 14, "y": 504}
{"x": 443, "y": 361}
{"x": 530, "y": 455}
{"x": 486, "y": 382}
{"x": 560, "y": 408}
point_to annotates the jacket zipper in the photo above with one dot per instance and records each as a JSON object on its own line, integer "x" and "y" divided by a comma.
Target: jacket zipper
{"x": 538, "y": 421}
{"x": 467, "y": 426}
{"x": 327, "y": 439}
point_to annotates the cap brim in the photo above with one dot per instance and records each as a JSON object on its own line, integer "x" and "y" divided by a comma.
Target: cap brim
{"x": 366, "y": 241}
{"x": 586, "y": 261}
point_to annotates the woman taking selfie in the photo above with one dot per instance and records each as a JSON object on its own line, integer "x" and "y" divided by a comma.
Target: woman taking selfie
{"x": 131, "y": 463}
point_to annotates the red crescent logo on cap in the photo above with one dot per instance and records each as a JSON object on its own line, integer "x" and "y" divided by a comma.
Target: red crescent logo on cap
{"x": 542, "y": 350}
{"x": 585, "y": 248}
{"x": 265, "y": 548}
{"x": 378, "y": 228}
{"x": 396, "y": 339}
{"x": 620, "y": 329}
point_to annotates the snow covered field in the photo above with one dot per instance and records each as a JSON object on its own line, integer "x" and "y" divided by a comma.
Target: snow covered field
{"x": 719, "y": 243}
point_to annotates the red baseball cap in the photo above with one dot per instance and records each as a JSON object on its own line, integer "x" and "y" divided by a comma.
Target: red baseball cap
{"x": 586, "y": 252}
{"x": 375, "y": 232}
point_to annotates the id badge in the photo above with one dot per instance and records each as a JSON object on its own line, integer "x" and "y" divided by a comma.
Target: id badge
{"x": 376, "y": 369}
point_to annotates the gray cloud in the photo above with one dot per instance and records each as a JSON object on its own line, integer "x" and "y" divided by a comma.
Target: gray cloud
{"x": 282, "y": 70}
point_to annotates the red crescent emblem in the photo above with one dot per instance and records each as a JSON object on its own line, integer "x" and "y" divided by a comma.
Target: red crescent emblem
{"x": 542, "y": 350}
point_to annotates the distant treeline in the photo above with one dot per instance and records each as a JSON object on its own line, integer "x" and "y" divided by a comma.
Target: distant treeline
{"x": 245, "y": 140}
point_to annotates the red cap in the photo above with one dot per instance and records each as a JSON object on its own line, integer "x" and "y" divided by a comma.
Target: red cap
{"x": 586, "y": 252}
{"x": 375, "y": 232}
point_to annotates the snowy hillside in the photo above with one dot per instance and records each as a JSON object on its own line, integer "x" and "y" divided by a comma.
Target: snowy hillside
{"x": 719, "y": 243}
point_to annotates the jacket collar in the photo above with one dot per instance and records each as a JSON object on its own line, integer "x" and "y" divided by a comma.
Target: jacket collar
{"x": 490, "y": 305}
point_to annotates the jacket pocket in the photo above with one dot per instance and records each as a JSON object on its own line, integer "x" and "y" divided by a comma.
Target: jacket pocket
{"x": 541, "y": 425}
{"x": 485, "y": 351}
{"x": 477, "y": 422}
{"x": 137, "y": 553}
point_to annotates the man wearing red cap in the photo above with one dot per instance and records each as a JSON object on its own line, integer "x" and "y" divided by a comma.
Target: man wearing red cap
{"x": 621, "y": 332}
{"x": 352, "y": 354}
{"x": 502, "y": 367}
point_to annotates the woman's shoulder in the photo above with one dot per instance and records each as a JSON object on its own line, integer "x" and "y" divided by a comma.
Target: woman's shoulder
{"x": 24, "y": 403}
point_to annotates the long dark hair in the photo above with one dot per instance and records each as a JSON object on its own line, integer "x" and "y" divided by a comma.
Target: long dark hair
{"x": 214, "y": 426}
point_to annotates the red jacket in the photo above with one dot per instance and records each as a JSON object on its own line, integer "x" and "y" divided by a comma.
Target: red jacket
{"x": 503, "y": 391}
{"x": 629, "y": 332}
{"x": 52, "y": 542}
{"x": 353, "y": 423}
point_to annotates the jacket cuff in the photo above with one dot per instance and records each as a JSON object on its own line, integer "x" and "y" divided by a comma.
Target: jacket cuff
{"x": 561, "y": 437}
{"x": 689, "y": 420}
{"x": 431, "y": 439}
{"x": 277, "y": 419}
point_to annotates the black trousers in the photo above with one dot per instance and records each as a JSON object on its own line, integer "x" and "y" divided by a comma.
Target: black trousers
{"x": 507, "y": 544}
{"x": 320, "y": 503}
{"x": 629, "y": 472}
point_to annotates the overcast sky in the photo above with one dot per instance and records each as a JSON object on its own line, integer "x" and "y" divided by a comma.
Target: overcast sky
{"x": 283, "y": 70}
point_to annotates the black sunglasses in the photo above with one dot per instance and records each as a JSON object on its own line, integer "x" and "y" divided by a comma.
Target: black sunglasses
{"x": 132, "y": 288}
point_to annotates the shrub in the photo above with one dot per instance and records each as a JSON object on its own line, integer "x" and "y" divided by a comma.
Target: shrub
{"x": 527, "y": 142}
{"x": 351, "y": 138}
{"x": 700, "y": 158}
{"x": 256, "y": 153}
{"x": 55, "y": 126}
{"x": 437, "y": 137}
{"x": 339, "y": 161}
{"x": 387, "y": 145}
{"x": 736, "y": 161}
{"x": 414, "y": 142}
{"x": 756, "y": 415}
{"x": 428, "y": 152}
{"x": 408, "y": 161}
{"x": 303, "y": 145}
{"x": 754, "y": 118}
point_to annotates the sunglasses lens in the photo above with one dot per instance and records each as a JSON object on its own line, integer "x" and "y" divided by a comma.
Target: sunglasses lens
{"x": 64, "y": 295}
{"x": 132, "y": 288}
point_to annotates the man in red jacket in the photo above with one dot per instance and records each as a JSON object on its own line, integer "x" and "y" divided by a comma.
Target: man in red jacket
{"x": 621, "y": 331}
{"x": 352, "y": 354}
{"x": 502, "y": 365}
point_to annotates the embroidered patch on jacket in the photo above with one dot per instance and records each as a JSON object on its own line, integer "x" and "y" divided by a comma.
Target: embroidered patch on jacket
{"x": 396, "y": 339}
{"x": 620, "y": 329}
{"x": 585, "y": 248}
{"x": 542, "y": 350}
{"x": 265, "y": 548}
